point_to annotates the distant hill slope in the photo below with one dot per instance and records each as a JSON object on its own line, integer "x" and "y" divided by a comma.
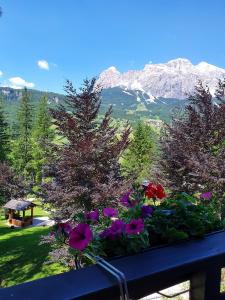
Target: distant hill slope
{"x": 127, "y": 104}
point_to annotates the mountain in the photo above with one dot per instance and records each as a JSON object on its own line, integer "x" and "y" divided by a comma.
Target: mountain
{"x": 127, "y": 104}
{"x": 12, "y": 96}
{"x": 135, "y": 104}
{"x": 174, "y": 79}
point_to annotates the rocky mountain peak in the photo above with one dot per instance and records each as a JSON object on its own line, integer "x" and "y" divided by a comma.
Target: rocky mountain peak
{"x": 174, "y": 79}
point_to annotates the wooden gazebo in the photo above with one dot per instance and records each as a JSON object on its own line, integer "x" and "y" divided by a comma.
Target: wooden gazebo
{"x": 14, "y": 207}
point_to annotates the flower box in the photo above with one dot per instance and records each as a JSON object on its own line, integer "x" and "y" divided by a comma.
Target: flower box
{"x": 144, "y": 219}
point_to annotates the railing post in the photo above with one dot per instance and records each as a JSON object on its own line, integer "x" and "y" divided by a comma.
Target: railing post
{"x": 206, "y": 286}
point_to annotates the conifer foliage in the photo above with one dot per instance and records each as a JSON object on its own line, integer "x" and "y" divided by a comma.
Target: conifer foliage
{"x": 193, "y": 145}
{"x": 86, "y": 174}
{"x": 140, "y": 154}
{"x": 22, "y": 146}
{"x": 42, "y": 137}
{"x": 4, "y": 135}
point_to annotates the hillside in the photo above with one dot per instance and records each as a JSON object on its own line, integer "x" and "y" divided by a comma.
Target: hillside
{"x": 129, "y": 104}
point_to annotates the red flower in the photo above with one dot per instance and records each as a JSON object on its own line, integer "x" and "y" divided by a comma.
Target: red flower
{"x": 155, "y": 191}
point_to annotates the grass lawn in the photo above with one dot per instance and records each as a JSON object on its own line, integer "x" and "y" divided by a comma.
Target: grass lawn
{"x": 21, "y": 257}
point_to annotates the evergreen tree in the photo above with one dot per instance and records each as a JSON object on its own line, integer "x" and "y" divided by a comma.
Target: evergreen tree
{"x": 86, "y": 175}
{"x": 4, "y": 134}
{"x": 42, "y": 137}
{"x": 138, "y": 158}
{"x": 22, "y": 146}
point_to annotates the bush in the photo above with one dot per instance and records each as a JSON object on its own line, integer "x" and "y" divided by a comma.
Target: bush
{"x": 193, "y": 146}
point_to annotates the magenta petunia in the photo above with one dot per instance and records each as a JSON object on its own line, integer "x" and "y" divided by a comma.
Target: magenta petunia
{"x": 66, "y": 227}
{"x": 135, "y": 226}
{"x": 114, "y": 231}
{"x": 206, "y": 195}
{"x": 110, "y": 212}
{"x": 92, "y": 215}
{"x": 146, "y": 211}
{"x": 80, "y": 237}
{"x": 126, "y": 201}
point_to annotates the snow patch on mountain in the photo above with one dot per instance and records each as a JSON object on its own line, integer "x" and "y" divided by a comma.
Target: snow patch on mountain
{"x": 174, "y": 79}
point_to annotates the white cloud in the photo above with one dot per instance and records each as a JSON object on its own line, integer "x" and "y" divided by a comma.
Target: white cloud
{"x": 43, "y": 64}
{"x": 1, "y": 73}
{"x": 19, "y": 83}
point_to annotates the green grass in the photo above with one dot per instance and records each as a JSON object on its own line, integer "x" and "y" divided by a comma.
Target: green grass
{"x": 21, "y": 257}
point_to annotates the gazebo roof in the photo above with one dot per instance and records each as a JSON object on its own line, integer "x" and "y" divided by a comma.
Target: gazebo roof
{"x": 19, "y": 204}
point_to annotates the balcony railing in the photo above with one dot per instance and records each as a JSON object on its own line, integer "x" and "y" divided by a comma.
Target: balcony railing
{"x": 199, "y": 261}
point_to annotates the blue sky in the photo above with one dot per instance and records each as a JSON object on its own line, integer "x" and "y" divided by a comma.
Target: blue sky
{"x": 80, "y": 38}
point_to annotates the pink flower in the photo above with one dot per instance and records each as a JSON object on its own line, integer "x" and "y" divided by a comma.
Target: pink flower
{"x": 92, "y": 215}
{"x": 80, "y": 237}
{"x": 135, "y": 226}
{"x": 66, "y": 227}
{"x": 114, "y": 231}
{"x": 146, "y": 211}
{"x": 110, "y": 212}
{"x": 126, "y": 201}
{"x": 206, "y": 195}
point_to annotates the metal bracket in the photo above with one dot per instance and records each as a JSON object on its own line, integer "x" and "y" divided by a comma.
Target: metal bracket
{"x": 120, "y": 277}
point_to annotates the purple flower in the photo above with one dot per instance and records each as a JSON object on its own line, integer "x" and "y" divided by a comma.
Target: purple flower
{"x": 135, "y": 226}
{"x": 206, "y": 195}
{"x": 66, "y": 227}
{"x": 92, "y": 215}
{"x": 110, "y": 212}
{"x": 114, "y": 231}
{"x": 80, "y": 237}
{"x": 126, "y": 201}
{"x": 146, "y": 211}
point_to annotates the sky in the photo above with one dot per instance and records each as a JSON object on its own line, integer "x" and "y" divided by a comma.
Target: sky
{"x": 45, "y": 42}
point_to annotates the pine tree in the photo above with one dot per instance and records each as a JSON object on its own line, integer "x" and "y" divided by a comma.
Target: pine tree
{"x": 86, "y": 174}
{"x": 139, "y": 157}
{"x": 22, "y": 145}
{"x": 4, "y": 134}
{"x": 42, "y": 137}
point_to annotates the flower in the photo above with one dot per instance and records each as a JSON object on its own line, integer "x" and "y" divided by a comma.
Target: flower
{"x": 65, "y": 227}
{"x": 114, "y": 231}
{"x": 146, "y": 211}
{"x": 92, "y": 215}
{"x": 110, "y": 212}
{"x": 126, "y": 201}
{"x": 135, "y": 226}
{"x": 206, "y": 195}
{"x": 80, "y": 236}
{"x": 155, "y": 191}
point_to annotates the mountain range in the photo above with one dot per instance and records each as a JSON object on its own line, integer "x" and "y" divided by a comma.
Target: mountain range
{"x": 174, "y": 79}
{"x": 152, "y": 93}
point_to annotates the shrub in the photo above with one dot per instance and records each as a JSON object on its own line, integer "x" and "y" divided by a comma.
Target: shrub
{"x": 193, "y": 146}
{"x": 86, "y": 173}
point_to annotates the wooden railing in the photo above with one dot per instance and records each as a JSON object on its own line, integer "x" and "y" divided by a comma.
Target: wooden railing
{"x": 199, "y": 261}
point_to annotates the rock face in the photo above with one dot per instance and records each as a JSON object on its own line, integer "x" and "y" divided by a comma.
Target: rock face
{"x": 174, "y": 79}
